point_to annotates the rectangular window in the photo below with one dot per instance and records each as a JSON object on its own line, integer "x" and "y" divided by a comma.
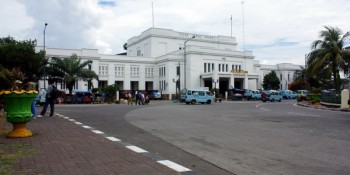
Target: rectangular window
{"x": 226, "y": 67}
{"x": 223, "y": 67}
{"x": 149, "y": 72}
{"x": 119, "y": 71}
{"x": 138, "y": 52}
{"x": 205, "y": 67}
{"x": 103, "y": 70}
{"x": 212, "y": 66}
{"x": 178, "y": 70}
{"x": 236, "y": 67}
{"x": 280, "y": 77}
{"x": 219, "y": 67}
{"x": 288, "y": 77}
{"x": 209, "y": 67}
{"x": 239, "y": 68}
{"x": 134, "y": 71}
{"x": 233, "y": 67}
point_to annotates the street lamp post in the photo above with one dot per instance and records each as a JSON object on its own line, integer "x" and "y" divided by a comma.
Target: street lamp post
{"x": 215, "y": 81}
{"x": 45, "y": 57}
{"x": 185, "y": 60}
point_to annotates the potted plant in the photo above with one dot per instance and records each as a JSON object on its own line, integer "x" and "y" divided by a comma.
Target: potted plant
{"x": 17, "y": 101}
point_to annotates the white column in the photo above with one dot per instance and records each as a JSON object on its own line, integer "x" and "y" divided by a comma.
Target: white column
{"x": 232, "y": 83}
{"x": 246, "y": 81}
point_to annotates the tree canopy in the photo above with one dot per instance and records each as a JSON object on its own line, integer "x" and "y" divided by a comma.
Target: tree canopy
{"x": 328, "y": 56}
{"x": 21, "y": 55}
{"x": 271, "y": 81}
{"x": 70, "y": 70}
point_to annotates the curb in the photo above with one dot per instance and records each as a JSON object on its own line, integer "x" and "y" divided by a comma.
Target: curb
{"x": 322, "y": 107}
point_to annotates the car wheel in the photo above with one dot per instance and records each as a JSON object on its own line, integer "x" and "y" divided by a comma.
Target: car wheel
{"x": 272, "y": 100}
{"x": 209, "y": 101}
{"x": 193, "y": 102}
{"x": 280, "y": 100}
{"x": 187, "y": 103}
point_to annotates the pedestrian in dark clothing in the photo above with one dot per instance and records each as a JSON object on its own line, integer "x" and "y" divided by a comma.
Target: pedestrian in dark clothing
{"x": 50, "y": 99}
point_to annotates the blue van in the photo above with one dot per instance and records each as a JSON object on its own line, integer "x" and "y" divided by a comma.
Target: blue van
{"x": 194, "y": 96}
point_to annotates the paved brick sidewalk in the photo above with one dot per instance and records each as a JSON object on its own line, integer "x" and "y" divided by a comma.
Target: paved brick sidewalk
{"x": 62, "y": 147}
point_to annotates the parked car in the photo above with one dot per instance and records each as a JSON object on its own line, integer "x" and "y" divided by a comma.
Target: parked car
{"x": 288, "y": 94}
{"x": 244, "y": 92}
{"x": 256, "y": 95}
{"x": 194, "y": 96}
{"x": 274, "y": 96}
{"x": 156, "y": 95}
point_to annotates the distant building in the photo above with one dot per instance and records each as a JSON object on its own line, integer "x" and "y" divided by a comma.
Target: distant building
{"x": 158, "y": 58}
{"x": 286, "y": 73}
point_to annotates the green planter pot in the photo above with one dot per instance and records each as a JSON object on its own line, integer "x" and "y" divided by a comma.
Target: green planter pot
{"x": 18, "y": 112}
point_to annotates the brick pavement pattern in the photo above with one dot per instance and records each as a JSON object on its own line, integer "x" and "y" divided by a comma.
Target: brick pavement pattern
{"x": 62, "y": 147}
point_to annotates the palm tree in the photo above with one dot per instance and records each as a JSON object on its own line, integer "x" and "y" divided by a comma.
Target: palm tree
{"x": 71, "y": 69}
{"x": 328, "y": 54}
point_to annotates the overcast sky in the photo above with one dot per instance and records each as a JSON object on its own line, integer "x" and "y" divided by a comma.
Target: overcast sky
{"x": 277, "y": 31}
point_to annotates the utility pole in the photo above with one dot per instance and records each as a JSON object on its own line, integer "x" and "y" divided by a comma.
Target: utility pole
{"x": 185, "y": 59}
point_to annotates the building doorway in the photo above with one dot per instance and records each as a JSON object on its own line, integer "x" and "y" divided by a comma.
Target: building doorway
{"x": 224, "y": 85}
{"x": 134, "y": 86}
{"x": 120, "y": 84}
{"x": 239, "y": 83}
{"x": 149, "y": 86}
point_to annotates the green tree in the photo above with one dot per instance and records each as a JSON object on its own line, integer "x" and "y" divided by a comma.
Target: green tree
{"x": 110, "y": 91}
{"x": 271, "y": 81}
{"x": 70, "y": 70}
{"x": 328, "y": 55}
{"x": 21, "y": 55}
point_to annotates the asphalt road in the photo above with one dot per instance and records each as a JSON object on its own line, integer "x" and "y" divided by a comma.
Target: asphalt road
{"x": 110, "y": 119}
{"x": 233, "y": 137}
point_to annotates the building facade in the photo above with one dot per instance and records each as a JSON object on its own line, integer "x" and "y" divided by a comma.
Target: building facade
{"x": 166, "y": 60}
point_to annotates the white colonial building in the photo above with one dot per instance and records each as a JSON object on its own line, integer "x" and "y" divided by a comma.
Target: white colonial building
{"x": 158, "y": 58}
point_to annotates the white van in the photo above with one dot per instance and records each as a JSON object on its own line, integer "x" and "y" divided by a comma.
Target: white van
{"x": 194, "y": 96}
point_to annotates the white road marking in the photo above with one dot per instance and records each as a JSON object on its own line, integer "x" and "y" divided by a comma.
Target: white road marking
{"x": 113, "y": 139}
{"x": 87, "y": 127}
{"x": 173, "y": 166}
{"x": 97, "y": 131}
{"x": 137, "y": 149}
{"x": 168, "y": 163}
{"x": 265, "y": 109}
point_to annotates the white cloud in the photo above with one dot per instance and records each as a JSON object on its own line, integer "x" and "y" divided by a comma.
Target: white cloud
{"x": 276, "y": 31}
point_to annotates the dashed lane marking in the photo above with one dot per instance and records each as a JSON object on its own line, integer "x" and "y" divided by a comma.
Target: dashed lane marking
{"x": 97, "y": 131}
{"x": 173, "y": 165}
{"x": 87, "y": 127}
{"x": 113, "y": 139}
{"x": 137, "y": 149}
{"x": 168, "y": 163}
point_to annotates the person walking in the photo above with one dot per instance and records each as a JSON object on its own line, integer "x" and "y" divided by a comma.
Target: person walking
{"x": 129, "y": 99}
{"x": 50, "y": 99}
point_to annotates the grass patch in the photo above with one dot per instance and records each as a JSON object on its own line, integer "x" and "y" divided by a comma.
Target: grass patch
{"x": 11, "y": 154}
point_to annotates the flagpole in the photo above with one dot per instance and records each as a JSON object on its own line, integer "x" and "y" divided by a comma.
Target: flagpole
{"x": 152, "y": 16}
{"x": 243, "y": 21}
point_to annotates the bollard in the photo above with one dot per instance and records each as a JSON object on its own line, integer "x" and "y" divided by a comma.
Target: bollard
{"x": 344, "y": 99}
